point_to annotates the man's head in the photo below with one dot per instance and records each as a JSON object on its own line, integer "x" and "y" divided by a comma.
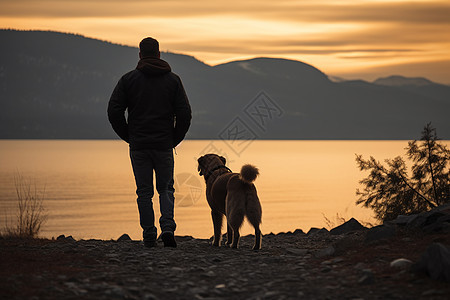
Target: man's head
{"x": 149, "y": 47}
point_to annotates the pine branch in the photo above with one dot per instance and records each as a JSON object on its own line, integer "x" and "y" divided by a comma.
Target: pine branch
{"x": 433, "y": 180}
{"x": 416, "y": 192}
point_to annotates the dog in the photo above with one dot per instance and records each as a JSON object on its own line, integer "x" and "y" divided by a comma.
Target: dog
{"x": 233, "y": 195}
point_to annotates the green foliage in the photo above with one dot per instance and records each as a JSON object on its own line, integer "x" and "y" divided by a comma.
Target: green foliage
{"x": 390, "y": 191}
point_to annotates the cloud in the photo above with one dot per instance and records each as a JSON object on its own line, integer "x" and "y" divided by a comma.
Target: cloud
{"x": 327, "y": 32}
{"x": 319, "y": 11}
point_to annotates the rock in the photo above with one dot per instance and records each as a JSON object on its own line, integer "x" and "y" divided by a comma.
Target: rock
{"x": 271, "y": 294}
{"x": 436, "y": 219}
{"x": 116, "y": 292}
{"x": 337, "y": 260}
{"x": 297, "y": 251}
{"x": 360, "y": 266}
{"x": 61, "y": 237}
{"x": 432, "y": 292}
{"x": 349, "y": 226}
{"x": 442, "y": 224}
{"x": 424, "y": 219}
{"x": 315, "y": 231}
{"x": 435, "y": 261}
{"x": 402, "y": 220}
{"x": 69, "y": 239}
{"x": 381, "y": 232}
{"x": 326, "y": 252}
{"x": 114, "y": 260}
{"x": 298, "y": 231}
{"x": 124, "y": 237}
{"x": 149, "y": 296}
{"x": 185, "y": 238}
{"x": 367, "y": 277}
{"x": 401, "y": 263}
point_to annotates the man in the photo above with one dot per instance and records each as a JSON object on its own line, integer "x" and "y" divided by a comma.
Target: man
{"x": 159, "y": 115}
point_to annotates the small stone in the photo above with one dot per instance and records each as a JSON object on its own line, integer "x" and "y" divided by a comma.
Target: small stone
{"x": 116, "y": 292}
{"x": 114, "y": 260}
{"x": 270, "y": 294}
{"x": 367, "y": 277}
{"x": 432, "y": 292}
{"x": 401, "y": 263}
{"x": 359, "y": 266}
{"x": 149, "y": 296}
{"x": 210, "y": 274}
{"x": 124, "y": 237}
{"x": 297, "y": 251}
{"x": 337, "y": 260}
{"x": 326, "y": 252}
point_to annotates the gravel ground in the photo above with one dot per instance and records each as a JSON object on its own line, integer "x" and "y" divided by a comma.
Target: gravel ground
{"x": 289, "y": 266}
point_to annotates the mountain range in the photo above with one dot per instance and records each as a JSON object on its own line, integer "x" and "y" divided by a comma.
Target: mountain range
{"x": 56, "y": 86}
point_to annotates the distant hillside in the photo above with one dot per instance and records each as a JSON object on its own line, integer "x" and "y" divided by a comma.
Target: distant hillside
{"x": 57, "y": 85}
{"x": 397, "y": 80}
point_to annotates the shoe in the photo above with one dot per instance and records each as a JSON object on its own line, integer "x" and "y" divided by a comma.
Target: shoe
{"x": 168, "y": 239}
{"x": 149, "y": 243}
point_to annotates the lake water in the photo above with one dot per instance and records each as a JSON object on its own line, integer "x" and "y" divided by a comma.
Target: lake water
{"x": 90, "y": 189}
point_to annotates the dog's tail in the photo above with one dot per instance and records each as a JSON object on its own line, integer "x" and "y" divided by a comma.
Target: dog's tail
{"x": 248, "y": 173}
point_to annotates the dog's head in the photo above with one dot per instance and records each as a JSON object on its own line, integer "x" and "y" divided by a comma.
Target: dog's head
{"x": 209, "y": 162}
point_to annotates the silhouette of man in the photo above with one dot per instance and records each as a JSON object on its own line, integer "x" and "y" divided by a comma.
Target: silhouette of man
{"x": 159, "y": 115}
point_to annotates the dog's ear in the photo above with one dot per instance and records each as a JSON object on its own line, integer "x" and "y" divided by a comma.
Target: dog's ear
{"x": 199, "y": 169}
{"x": 223, "y": 159}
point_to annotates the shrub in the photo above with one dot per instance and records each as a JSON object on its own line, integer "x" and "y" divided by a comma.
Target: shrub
{"x": 390, "y": 191}
{"x": 30, "y": 210}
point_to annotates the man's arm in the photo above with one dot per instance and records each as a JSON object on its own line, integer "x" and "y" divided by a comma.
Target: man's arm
{"x": 116, "y": 111}
{"x": 183, "y": 115}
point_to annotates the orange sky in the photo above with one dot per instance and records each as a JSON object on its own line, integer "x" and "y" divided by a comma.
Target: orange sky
{"x": 349, "y": 38}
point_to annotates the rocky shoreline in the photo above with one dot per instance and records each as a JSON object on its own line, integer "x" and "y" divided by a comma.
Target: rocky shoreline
{"x": 348, "y": 262}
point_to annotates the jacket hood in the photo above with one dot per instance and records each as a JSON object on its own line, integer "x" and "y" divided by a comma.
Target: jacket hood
{"x": 153, "y": 66}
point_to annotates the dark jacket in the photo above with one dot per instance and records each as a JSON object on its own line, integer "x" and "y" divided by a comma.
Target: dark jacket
{"x": 159, "y": 114}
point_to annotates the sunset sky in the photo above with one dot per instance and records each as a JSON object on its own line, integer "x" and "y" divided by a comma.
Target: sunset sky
{"x": 351, "y": 38}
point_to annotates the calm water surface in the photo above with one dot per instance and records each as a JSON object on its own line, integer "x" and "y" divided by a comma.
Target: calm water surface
{"x": 90, "y": 190}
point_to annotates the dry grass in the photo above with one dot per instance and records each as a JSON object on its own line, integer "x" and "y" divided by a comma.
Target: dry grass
{"x": 31, "y": 213}
{"x": 339, "y": 220}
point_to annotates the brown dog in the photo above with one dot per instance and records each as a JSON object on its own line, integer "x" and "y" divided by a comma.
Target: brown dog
{"x": 233, "y": 195}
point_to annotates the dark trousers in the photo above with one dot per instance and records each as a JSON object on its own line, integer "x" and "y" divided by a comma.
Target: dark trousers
{"x": 144, "y": 162}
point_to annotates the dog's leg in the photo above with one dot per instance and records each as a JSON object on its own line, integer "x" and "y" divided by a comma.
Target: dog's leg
{"x": 235, "y": 223}
{"x": 236, "y": 236}
{"x": 217, "y": 218}
{"x": 229, "y": 235}
{"x": 258, "y": 239}
{"x": 254, "y": 213}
